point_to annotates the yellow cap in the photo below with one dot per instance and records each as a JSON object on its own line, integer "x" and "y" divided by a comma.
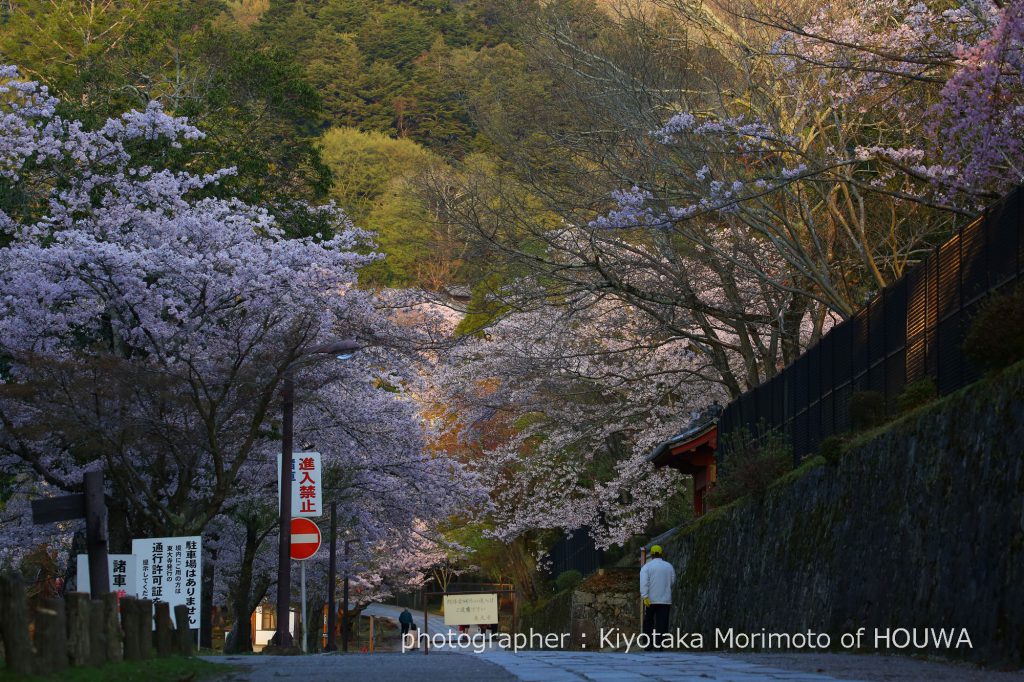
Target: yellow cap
{"x": 655, "y": 549}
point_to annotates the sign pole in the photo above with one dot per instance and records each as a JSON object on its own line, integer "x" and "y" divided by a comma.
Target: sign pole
{"x": 96, "y": 533}
{"x": 305, "y": 636}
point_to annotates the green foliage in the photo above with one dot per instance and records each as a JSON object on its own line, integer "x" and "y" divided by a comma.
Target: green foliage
{"x": 832, "y": 448}
{"x": 867, "y": 409}
{"x": 752, "y": 462}
{"x": 919, "y": 393}
{"x": 259, "y": 113}
{"x": 170, "y": 669}
{"x": 996, "y": 336}
{"x": 568, "y": 580}
{"x": 485, "y": 305}
{"x": 394, "y": 34}
{"x": 386, "y": 66}
{"x": 365, "y": 164}
{"x": 552, "y": 615}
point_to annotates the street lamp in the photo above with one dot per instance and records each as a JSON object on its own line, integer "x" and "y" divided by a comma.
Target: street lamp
{"x": 341, "y": 350}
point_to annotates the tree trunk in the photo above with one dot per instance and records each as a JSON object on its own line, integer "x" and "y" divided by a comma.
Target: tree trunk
{"x": 239, "y": 640}
{"x": 243, "y": 601}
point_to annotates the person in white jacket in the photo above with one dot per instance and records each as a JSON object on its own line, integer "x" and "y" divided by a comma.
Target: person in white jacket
{"x": 656, "y": 578}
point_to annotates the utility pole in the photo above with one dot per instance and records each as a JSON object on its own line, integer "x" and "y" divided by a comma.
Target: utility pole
{"x": 283, "y": 638}
{"x": 344, "y": 601}
{"x": 342, "y": 350}
{"x": 332, "y": 577}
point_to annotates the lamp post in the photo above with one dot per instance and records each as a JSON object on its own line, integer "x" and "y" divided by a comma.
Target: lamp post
{"x": 342, "y": 350}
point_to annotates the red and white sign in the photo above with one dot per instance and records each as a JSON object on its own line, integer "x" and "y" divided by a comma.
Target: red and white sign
{"x": 305, "y": 539}
{"x": 307, "y": 493}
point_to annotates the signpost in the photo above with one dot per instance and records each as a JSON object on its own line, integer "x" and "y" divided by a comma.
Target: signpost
{"x": 305, "y": 543}
{"x": 305, "y": 539}
{"x": 121, "y": 573}
{"x": 91, "y": 506}
{"x": 307, "y": 492}
{"x": 470, "y": 609}
{"x": 170, "y": 570}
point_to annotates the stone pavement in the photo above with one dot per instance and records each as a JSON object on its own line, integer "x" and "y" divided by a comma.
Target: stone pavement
{"x": 572, "y": 666}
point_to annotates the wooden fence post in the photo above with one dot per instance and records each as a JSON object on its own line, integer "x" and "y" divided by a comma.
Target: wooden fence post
{"x": 182, "y": 635}
{"x": 130, "y": 623}
{"x": 51, "y": 637}
{"x": 14, "y": 625}
{"x": 112, "y": 627}
{"x": 163, "y": 629}
{"x": 79, "y": 624}
{"x": 144, "y": 607}
{"x": 98, "y": 648}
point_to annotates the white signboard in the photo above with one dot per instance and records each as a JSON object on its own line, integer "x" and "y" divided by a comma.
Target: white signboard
{"x": 171, "y": 570}
{"x": 122, "y": 573}
{"x": 307, "y": 493}
{"x": 470, "y": 609}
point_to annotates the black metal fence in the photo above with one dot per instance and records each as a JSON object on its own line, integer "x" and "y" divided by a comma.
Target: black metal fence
{"x": 575, "y": 552}
{"x": 914, "y": 329}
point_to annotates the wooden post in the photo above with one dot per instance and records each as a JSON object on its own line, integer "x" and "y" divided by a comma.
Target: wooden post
{"x": 164, "y": 646}
{"x": 371, "y": 635}
{"x": 51, "y": 637}
{"x": 96, "y": 533}
{"x": 129, "y": 621}
{"x": 182, "y": 635}
{"x": 98, "y": 647}
{"x": 14, "y": 625}
{"x": 79, "y": 623}
{"x": 144, "y": 622}
{"x": 114, "y": 637}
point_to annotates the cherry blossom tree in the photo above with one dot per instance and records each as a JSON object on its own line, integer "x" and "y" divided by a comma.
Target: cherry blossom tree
{"x": 733, "y": 178}
{"x": 146, "y": 329}
{"x": 585, "y": 394}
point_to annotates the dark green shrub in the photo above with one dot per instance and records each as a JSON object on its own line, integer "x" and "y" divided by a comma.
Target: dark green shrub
{"x": 832, "y": 448}
{"x": 921, "y": 392}
{"x": 996, "y": 337}
{"x": 867, "y": 409}
{"x": 750, "y": 465}
{"x": 568, "y": 580}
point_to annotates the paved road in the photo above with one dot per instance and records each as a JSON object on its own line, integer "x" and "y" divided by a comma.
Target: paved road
{"x": 569, "y": 666}
{"x": 437, "y": 667}
{"x": 434, "y": 622}
{"x": 495, "y": 665}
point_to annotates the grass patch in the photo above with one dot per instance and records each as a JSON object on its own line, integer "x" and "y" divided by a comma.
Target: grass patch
{"x": 799, "y": 472}
{"x": 172, "y": 669}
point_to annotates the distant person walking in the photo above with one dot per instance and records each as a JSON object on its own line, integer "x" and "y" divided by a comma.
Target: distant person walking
{"x": 405, "y": 620}
{"x": 656, "y": 578}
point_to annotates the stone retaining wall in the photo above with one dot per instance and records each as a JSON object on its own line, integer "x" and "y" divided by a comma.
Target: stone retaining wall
{"x": 607, "y": 600}
{"x": 919, "y": 527}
